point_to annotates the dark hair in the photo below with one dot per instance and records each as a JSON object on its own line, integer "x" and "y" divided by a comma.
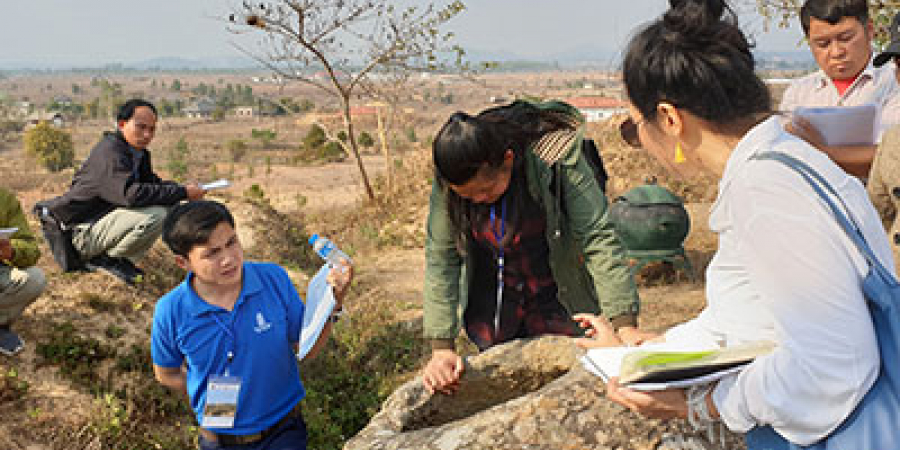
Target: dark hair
{"x": 465, "y": 143}
{"x": 191, "y": 223}
{"x": 696, "y": 58}
{"x": 126, "y": 111}
{"x": 832, "y": 11}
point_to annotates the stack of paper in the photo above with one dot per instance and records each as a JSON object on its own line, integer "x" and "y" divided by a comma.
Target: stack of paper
{"x": 844, "y": 125}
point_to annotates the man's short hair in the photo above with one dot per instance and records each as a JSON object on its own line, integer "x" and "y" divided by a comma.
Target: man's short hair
{"x": 126, "y": 111}
{"x": 190, "y": 224}
{"x": 832, "y": 11}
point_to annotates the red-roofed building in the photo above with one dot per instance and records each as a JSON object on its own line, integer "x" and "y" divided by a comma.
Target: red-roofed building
{"x": 362, "y": 110}
{"x": 596, "y": 108}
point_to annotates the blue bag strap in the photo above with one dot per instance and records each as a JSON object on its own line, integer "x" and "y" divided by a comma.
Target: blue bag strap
{"x": 817, "y": 182}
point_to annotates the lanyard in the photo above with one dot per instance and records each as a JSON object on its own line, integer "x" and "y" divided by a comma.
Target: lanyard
{"x": 231, "y": 335}
{"x": 500, "y": 261}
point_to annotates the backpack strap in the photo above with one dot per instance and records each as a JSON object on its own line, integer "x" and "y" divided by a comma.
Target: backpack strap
{"x": 552, "y": 146}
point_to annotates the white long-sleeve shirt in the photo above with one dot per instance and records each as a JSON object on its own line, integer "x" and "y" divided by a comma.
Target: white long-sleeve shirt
{"x": 786, "y": 271}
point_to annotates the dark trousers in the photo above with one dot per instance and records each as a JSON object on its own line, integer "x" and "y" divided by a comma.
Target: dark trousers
{"x": 291, "y": 435}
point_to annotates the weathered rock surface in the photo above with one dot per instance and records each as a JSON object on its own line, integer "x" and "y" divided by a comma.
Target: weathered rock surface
{"x": 529, "y": 394}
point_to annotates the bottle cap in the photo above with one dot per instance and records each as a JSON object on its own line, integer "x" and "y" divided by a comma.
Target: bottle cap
{"x": 313, "y": 239}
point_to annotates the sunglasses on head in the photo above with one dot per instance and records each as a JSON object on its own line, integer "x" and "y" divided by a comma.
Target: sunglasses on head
{"x": 629, "y": 132}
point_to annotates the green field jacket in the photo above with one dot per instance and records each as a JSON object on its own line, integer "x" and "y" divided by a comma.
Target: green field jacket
{"x": 24, "y": 242}
{"x": 586, "y": 258}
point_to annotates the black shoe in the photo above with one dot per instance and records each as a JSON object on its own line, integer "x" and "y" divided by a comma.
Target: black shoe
{"x": 10, "y": 343}
{"x": 121, "y": 268}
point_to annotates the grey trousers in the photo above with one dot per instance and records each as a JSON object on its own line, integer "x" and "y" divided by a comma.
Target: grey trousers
{"x": 122, "y": 233}
{"x": 18, "y": 289}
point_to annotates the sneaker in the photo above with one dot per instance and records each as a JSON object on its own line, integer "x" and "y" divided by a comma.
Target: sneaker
{"x": 10, "y": 343}
{"x": 121, "y": 268}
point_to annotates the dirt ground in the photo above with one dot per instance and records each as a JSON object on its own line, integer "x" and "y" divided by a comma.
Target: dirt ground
{"x": 390, "y": 274}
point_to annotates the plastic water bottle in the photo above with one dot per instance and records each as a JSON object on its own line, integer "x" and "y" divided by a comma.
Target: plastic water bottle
{"x": 327, "y": 250}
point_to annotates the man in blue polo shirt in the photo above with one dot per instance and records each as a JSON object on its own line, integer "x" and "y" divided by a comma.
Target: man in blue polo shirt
{"x": 227, "y": 336}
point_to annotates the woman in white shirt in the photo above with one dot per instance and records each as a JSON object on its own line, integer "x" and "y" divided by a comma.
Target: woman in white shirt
{"x": 784, "y": 270}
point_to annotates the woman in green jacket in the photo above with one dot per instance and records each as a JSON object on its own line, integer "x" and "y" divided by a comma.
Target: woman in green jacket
{"x": 519, "y": 238}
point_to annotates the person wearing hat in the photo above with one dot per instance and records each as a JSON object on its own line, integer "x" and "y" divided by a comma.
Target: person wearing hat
{"x": 840, "y": 33}
{"x": 884, "y": 178}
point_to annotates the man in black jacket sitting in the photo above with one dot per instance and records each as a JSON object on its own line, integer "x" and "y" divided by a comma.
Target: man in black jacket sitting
{"x": 116, "y": 203}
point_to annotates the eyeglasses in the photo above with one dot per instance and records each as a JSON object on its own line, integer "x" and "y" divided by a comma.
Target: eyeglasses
{"x": 629, "y": 131}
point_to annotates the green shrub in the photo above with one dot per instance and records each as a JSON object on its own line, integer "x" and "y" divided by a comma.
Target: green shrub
{"x": 332, "y": 152}
{"x": 264, "y": 136}
{"x": 255, "y": 193}
{"x": 51, "y": 146}
{"x": 77, "y": 357}
{"x": 178, "y": 164}
{"x": 314, "y": 138}
{"x": 366, "y": 140}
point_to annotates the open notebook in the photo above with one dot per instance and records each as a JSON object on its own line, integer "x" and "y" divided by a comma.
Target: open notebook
{"x": 664, "y": 366}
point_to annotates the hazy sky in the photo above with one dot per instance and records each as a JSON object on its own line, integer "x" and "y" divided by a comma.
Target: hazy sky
{"x": 95, "y": 32}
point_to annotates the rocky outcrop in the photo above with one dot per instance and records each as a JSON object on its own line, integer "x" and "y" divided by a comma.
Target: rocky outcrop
{"x": 529, "y": 394}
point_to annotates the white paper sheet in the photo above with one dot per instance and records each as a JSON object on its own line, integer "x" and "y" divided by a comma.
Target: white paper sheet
{"x": 319, "y": 304}
{"x": 6, "y": 233}
{"x": 606, "y": 362}
{"x": 844, "y": 125}
{"x": 218, "y": 184}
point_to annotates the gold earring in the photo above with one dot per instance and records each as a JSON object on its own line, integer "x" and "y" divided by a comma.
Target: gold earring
{"x": 679, "y": 154}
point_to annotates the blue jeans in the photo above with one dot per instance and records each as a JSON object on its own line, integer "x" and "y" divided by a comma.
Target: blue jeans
{"x": 765, "y": 438}
{"x": 290, "y": 435}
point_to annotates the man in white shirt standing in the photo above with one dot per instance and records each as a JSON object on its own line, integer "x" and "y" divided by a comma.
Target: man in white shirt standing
{"x": 840, "y": 33}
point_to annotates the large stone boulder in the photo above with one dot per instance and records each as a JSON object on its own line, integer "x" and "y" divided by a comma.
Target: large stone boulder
{"x": 528, "y": 394}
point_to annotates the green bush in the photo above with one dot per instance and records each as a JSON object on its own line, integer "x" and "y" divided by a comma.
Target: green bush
{"x": 178, "y": 164}
{"x": 264, "y": 136}
{"x": 332, "y": 152}
{"x": 255, "y": 193}
{"x": 366, "y": 140}
{"x": 314, "y": 138}
{"x": 353, "y": 375}
{"x": 51, "y": 146}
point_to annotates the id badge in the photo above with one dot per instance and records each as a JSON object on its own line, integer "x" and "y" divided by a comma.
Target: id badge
{"x": 221, "y": 402}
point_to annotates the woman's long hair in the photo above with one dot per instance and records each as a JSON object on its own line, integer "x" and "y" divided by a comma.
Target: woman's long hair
{"x": 467, "y": 143}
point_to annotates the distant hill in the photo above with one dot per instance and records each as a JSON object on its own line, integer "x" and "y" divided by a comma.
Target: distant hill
{"x": 574, "y": 57}
{"x": 599, "y": 57}
{"x": 161, "y": 63}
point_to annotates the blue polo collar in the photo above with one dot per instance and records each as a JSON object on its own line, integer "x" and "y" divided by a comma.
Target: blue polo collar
{"x": 250, "y": 285}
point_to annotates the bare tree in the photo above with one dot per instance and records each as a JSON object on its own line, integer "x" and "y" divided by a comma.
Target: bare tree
{"x": 339, "y": 45}
{"x": 784, "y": 13}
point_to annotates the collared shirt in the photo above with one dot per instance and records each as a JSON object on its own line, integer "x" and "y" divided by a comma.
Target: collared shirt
{"x": 263, "y": 325}
{"x": 873, "y": 86}
{"x": 785, "y": 271}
